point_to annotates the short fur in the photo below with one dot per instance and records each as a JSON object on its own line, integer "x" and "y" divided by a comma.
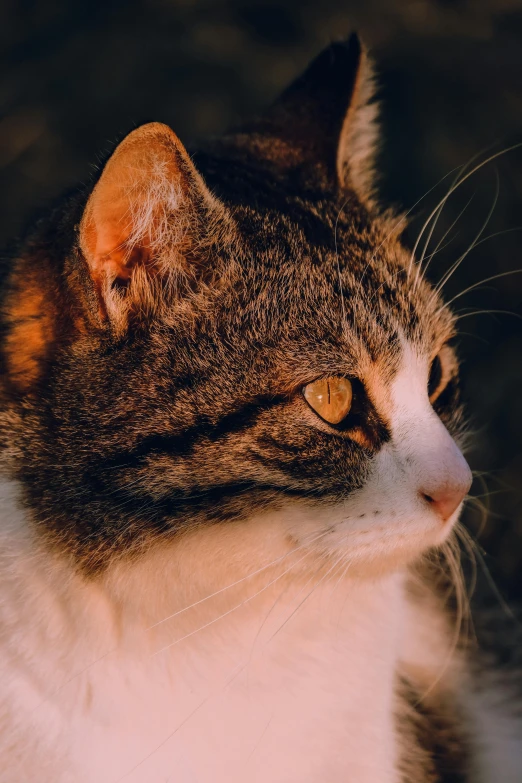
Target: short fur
{"x": 201, "y": 579}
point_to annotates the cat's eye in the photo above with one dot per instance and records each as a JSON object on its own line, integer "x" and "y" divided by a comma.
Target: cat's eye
{"x": 330, "y": 398}
{"x": 435, "y": 377}
{"x": 443, "y": 368}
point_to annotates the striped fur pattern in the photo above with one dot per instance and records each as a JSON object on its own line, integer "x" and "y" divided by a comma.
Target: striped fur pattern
{"x": 201, "y": 579}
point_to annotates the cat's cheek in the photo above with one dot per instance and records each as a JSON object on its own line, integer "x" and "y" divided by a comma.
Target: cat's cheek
{"x": 381, "y": 527}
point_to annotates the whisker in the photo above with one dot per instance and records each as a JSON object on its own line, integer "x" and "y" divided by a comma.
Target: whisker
{"x": 454, "y": 223}
{"x": 488, "y": 312}
{"x": 493, "y": 585}
{"x": 115, "y": 649}
{"x": 482, "y": 282}
{"x": 439, "y": 245}
{"x": 342, "y": 575}
{"x": 474, "y": 243}
{"x": 300, "y": 604}
{"x": 237, "y": 582}
{"x": 480, "y": 505}
{"x": 435, "y": 221}
{"x": 464, "y": 537}
{"x": 344, "y": 571}
{"x": 233, "y": 609}
{"x": 403, "y": 219}
{"x": 474, "y": 336}
{"x": 435, "y": 212}
{"x": 172, "y": 733}
{"x": 490, "y": 493}
{"x": 279, "y": 597}
{"x": 457, "y": 185}
{"x": 462, "y": 609}
{"x": 499, "y": 234}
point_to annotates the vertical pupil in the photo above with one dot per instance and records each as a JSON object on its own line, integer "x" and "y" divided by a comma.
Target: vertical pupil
{"x": 330, "y": 398}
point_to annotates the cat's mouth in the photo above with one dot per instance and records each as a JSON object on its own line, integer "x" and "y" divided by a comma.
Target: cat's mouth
{"x": 391, "y": 520}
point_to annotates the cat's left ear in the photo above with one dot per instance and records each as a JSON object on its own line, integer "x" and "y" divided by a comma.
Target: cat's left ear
{"x": 325, "y": 122}
{"x": 148, "y": 211}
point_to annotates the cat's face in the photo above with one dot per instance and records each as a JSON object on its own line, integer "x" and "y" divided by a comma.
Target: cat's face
{"x": 187, "y": 346}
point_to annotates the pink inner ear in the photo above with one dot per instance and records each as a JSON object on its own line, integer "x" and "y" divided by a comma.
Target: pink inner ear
{"x": 122, "y": 213}
{"x": 108, "y": 232}
{"x": 108, "y": 240}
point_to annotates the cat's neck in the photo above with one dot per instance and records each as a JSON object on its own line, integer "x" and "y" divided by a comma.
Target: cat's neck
{"x": 280, "y": 666}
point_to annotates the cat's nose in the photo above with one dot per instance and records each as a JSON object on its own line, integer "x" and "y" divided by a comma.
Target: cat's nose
{"x": 443, "y": 475}
{"x": 445, "y": 496}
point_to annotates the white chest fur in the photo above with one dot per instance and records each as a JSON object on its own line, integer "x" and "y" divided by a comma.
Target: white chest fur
{"x": 291, "y": 684}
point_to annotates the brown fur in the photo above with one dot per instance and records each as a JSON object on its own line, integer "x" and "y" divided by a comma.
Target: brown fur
{"x": 158, "y": 330}
{"x": 433, "y": 745}
{"x": 180, "y": 323}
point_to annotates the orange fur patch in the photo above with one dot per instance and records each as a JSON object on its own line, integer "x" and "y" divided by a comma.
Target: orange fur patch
{"x": 30, "y": 324}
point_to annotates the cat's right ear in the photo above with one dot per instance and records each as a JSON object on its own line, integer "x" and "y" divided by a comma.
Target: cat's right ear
{"x": 148, "y": 211}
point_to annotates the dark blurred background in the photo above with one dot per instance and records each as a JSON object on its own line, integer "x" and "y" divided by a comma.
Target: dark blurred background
{"x": 75, "y": 76}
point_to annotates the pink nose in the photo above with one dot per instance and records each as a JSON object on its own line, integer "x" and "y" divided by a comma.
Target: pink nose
{"x": 447, "y": 497}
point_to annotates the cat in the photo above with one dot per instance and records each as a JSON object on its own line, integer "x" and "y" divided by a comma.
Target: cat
{"x": 231, "y": 472}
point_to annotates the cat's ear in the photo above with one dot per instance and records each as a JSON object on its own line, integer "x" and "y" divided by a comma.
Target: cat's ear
{"x": 327, "y": 119}
{"x": 144, "y": 216}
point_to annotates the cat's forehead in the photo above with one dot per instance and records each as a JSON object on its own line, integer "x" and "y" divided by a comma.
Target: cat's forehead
{"x": 300, "y": 296}
{"x": 331, "y": 280}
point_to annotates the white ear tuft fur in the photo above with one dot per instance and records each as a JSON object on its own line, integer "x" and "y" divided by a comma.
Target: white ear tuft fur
{"x": 359, "y": 138}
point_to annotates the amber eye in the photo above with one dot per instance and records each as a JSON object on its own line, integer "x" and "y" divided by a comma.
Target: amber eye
{"x": 330, "y": 398}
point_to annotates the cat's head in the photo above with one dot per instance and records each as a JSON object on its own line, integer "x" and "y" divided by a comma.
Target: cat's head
{"x": 237, "y": 339}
